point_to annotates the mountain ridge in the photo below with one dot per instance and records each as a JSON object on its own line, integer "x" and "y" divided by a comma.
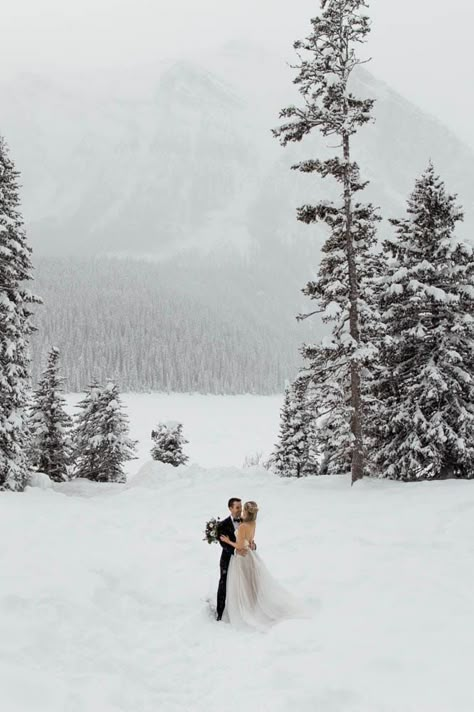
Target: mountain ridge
{"x": 105, "y": 175}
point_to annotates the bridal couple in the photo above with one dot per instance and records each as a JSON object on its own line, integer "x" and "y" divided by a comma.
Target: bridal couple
{"x": 248, "y": 596}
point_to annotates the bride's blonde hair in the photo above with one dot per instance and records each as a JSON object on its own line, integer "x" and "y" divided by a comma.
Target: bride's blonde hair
{"x": 251, "y": 511}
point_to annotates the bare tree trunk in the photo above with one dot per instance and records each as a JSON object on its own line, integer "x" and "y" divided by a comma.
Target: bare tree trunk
{"x": 357, "y": 462}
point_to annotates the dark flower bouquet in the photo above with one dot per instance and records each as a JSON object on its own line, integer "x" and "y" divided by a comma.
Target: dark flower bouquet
{"x": 210, "y": 532}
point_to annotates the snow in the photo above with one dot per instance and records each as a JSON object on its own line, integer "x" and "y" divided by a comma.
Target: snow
{"x": 104, "y": 587}
{"x": 332, "y": 310}
{"x": 39, "y": 479}
{"x": 222, "y": 430}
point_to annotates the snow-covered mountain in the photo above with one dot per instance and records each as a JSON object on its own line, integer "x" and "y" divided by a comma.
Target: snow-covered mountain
{"x": 176, "y": 164}
{"x": 188, "y": 160}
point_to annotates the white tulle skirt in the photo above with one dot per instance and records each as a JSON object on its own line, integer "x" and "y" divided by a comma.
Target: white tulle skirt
{"x": 254, "y": 599}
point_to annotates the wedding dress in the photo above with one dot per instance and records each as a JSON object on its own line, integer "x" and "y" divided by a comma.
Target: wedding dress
{"x": 254, "y": 599}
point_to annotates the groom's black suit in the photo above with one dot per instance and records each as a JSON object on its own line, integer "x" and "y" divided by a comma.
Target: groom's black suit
{"x": 225, "y": 527}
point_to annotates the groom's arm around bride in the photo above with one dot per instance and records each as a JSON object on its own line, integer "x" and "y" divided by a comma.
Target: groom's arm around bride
{"x": 226, "y": 527}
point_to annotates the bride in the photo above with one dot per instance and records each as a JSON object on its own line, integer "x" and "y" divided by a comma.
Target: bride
{"x": 254, "y": 599}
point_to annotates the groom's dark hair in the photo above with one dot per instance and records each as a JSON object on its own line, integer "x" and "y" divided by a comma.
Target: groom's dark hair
{"x": 231, "y": 501}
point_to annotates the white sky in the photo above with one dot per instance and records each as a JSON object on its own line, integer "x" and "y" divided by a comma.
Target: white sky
{"x": 423, "y": 48}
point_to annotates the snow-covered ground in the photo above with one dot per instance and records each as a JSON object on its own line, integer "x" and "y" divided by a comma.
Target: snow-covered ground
{"x": 103, "y": 588}
{"x": 222, "y": 430}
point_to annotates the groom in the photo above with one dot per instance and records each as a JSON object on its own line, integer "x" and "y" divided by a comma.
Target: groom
{"x": 229, "y": 527}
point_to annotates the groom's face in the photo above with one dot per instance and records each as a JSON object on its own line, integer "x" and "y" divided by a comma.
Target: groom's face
{"x": 236, "y": 510}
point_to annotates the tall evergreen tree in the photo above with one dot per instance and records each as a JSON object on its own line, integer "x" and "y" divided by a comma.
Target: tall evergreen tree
{"x": 15, "y": 329}
{"x": 50, "y": 425}
{"x": 102, "y": 442}
{"x": 296, "y": 453}
{"x": 425, "y": 390}
{"x": 343, "y": 287}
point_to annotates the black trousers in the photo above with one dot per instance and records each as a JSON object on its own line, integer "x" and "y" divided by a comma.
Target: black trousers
{"x": 222, "y": 588}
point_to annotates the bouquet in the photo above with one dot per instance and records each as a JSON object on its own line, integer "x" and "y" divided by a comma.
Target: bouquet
{"x": 211, "y": 531}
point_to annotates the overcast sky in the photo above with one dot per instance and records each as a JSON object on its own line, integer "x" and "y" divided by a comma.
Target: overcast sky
{"x": 423, "y": 48}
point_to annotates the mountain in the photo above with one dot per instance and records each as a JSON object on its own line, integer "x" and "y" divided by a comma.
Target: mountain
{"x": 192, "y": 163}
{"x": 176, "y": 164}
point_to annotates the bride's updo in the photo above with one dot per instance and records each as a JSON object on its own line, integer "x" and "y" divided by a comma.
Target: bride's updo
{"x": 250, "y": 511}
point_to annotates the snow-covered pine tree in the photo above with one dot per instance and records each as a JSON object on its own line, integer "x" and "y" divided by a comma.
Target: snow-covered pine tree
{"x": 87, "y": 453}
{"x": 50, "y": 425}
{"x": 296, "y": 453}
{"x": 15, "y": 329}
{"x": 168, "y": 443}
{"x": 102, "y": 442}
{"x": 334, "y": 460}
{"x": 425, "y": 391}
{"x": 327, "y": 60}
{"x": 285, "y": 459}
{"x": 331, "y": 399}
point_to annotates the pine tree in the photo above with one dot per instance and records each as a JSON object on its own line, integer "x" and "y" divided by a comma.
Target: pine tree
{"x": 296, "y": 454}
{"x": 168, "y": 443}
{"x": 102, "y": 442}
{"x": 15, "y": 329}
{"x": 425, "y": 390}
{"x": 343, "y": 287}
{"x": 50, "y": 425}
{"x": 331, "y": 399}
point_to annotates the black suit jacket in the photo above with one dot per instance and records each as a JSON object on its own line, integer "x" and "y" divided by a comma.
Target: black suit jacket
{"x": 226, "y": 527}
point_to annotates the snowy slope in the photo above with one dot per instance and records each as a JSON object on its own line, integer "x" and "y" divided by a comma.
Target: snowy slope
{"x": 103, "y": 597}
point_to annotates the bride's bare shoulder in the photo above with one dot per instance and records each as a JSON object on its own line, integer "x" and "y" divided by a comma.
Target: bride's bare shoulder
{"x": 247, "y": 527}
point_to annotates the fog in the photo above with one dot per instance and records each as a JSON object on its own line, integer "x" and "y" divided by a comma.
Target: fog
{"x": 421, "y": 48}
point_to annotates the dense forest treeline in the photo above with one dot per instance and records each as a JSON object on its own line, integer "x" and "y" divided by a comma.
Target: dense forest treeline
{"x": 162, "y": 327}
